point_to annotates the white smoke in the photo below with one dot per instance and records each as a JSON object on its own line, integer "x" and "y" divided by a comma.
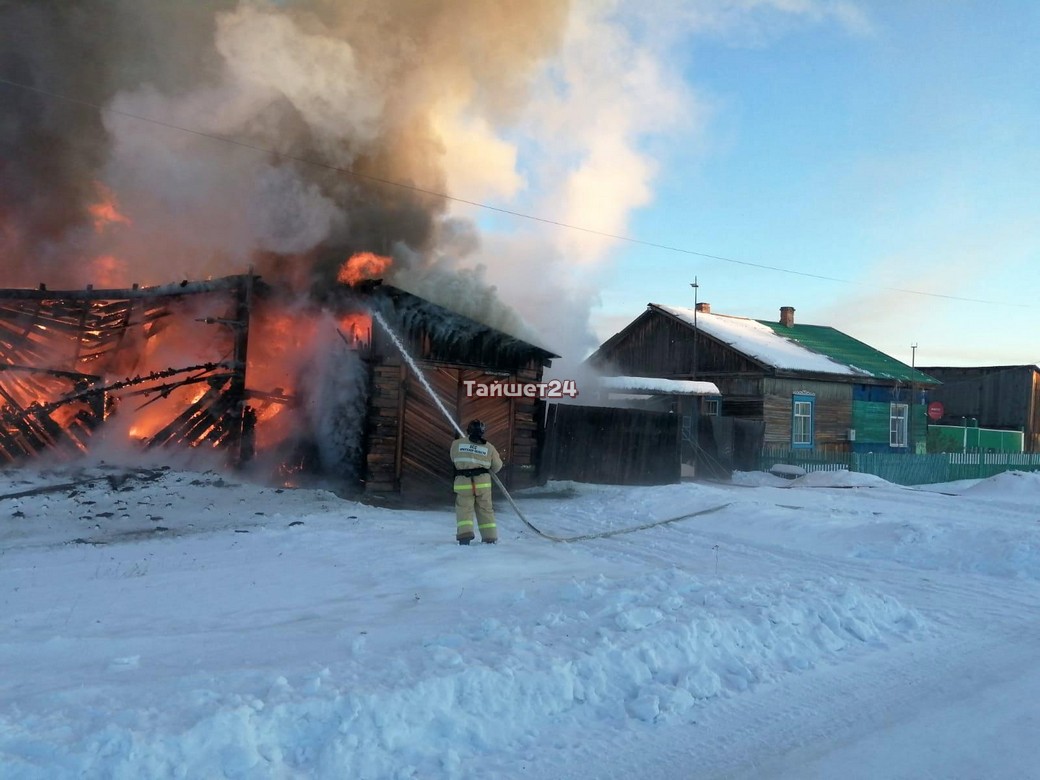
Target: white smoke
{"x": 544, "y": 107}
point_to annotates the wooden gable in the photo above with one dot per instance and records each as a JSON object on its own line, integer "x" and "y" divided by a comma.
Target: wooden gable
{"x": 659, "y": 345}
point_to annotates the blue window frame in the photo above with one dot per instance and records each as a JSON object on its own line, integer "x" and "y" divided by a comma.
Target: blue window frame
{"x": 803, "y": 421}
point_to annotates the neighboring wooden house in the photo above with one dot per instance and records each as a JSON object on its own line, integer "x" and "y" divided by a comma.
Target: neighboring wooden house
{"x": 999, "y": 397}
{"x": 814, "y": 387}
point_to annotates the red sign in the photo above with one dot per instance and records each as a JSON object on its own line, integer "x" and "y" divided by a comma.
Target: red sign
{"x": 935, "y": 410}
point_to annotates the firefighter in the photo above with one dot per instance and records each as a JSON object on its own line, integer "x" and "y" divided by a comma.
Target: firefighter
{"x": 475, "y": 460}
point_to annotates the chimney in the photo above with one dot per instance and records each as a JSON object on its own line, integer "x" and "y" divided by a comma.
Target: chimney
{"x": 704, "y": 308}
{"x": 787, "y": 316}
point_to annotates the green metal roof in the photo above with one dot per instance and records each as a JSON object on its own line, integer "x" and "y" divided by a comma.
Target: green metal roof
{"x": 842, "y": 348}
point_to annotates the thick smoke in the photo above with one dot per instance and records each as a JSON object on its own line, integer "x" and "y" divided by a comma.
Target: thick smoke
{"x": 306, "y": 90}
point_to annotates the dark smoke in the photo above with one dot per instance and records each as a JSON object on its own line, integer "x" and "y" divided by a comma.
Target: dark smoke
{"x": 356, "y": 86}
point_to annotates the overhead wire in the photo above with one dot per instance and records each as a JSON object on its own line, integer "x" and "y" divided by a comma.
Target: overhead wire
{"x": 481, "y": 205}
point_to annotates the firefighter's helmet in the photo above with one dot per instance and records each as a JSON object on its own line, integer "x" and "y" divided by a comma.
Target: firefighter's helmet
{"x": 476, "y": 429}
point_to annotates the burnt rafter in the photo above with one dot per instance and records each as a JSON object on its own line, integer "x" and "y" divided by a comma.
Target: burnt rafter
{"x": 203, "y": 373}
{"x": 66, "y": 359}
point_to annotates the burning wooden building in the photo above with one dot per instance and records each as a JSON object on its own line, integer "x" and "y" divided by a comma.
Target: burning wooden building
{"x": 252, "y": 372}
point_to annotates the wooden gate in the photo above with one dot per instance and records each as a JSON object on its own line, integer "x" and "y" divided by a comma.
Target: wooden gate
{"x": 612, "y": 446}
{"x": 427, "y": 435}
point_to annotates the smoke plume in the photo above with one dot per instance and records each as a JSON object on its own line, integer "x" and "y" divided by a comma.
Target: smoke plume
{"x": 302, "y": 88}
{"x": 163, "y": 141}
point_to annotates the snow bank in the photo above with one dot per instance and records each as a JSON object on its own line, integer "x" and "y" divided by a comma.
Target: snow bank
{"x": 758, "y": 479}
{"x": 840, "y": 479}
{"x": 1017, "y": 484}
{"x": 837, "y": 479}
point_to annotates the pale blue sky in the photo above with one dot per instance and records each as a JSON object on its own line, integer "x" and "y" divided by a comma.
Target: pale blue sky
{"x": 899, "y": 153}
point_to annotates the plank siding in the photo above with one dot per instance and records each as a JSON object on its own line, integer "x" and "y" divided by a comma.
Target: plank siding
{"x": 426, "y": 434}
{"x": 660, "y": 346}
{"x": 383, "y": 428}
{"x": 832, "y": 411}
{"x": 408, "y": 436}
{"x": 612, "y": 446}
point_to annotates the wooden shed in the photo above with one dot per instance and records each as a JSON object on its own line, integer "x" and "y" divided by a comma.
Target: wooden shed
{"x": 814, "y": 387}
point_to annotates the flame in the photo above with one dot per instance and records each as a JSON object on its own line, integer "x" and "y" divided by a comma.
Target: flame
{"x": 106, "y": 211}
{"x": 357, "y": 328}
{"x": 363, "y": 265}
{"x": 287, "y": 342}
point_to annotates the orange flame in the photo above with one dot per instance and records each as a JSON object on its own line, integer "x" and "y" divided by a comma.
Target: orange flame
{"x": 106, "y": 211}
{"x": 363, "y": 265}
{"x": 356, "y": 328}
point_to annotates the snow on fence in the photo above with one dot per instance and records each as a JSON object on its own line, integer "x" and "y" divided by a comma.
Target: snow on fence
{"x": 907, "y": 469}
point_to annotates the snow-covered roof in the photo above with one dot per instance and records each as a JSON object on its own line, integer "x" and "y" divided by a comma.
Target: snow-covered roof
{"x": 758, "y": 341}
{"x": 655, "y": 385}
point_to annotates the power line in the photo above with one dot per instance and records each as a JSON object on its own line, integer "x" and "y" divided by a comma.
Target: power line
{"x": 477, "y": 204}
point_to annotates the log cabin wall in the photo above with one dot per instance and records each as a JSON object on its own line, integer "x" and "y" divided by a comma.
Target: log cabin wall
{"x": 407, "y": 434}
{"x": 383, "y": 427}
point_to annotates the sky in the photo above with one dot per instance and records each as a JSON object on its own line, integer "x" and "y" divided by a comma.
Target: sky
{"x": 871, "y": 164}
{"x": 888, "y": 145}
{"x": 878, "y": 158}
{"x": 173, "y": 622}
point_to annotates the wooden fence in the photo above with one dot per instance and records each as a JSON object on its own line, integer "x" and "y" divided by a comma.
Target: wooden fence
{"x": 611, "y": 446}
{"x": 907, "y": 469}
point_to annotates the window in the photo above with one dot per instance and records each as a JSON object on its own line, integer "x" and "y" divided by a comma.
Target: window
{"x": 897, "y": 425}
{"x": 711, "y": 407}
{"x": 802, "y": 421}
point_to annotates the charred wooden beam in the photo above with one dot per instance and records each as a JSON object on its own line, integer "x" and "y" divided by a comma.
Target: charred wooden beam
{"x": 74, "y": 375}
{"x": 185, "y": 287}
{"x": 164, "y": 390}
{"x": 232, "y": 418}
{"x": 175, "y": 428}
{"x": 130, "y": 382}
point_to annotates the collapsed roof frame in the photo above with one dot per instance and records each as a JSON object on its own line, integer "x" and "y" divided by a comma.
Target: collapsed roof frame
{"x": 55, "y": 346}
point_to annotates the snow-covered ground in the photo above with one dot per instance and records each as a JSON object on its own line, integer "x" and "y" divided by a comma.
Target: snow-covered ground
{"x": 159, "y": 623}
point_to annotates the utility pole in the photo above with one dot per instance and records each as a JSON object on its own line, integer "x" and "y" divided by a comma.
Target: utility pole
{"x": 695, "y": 287}
{"x": 913, "y": 394}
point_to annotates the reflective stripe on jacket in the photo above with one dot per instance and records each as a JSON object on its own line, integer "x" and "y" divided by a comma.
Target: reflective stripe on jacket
{"x": 466, "y": 454}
